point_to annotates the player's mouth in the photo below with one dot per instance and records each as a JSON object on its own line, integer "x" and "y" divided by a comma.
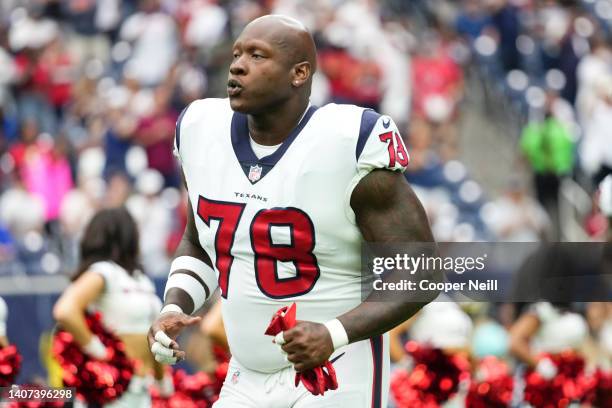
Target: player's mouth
{"x": 233, "y": 88}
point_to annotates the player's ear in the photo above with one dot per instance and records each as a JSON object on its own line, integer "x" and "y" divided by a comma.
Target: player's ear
{"x": 301, "y": 73}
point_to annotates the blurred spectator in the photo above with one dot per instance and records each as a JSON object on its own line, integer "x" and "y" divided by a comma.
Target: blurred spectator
{"x": 7, "y": 248}
{"x": 437, "y": 80}
{"x": 596, "y": 149}
{"x": 420, "y": 146}
{"x": 549, "y": 149}
{"x": 472, "y": 19}
{"x": 21, "y": 212}
{"x": 28, "y": 37}
{"x": 505, "y": 21}
{"x": 153, "y": 36}
{"x": 179, "y": 218}
{"x": 81, "y": 202}
{"x": 88, "y": 19}
{"x": 352, "y": 80}
{"x": 43, "y": 168}
{"x": 118, "y": 190}
{"x": 156, "y": 133}
{"x": 54, "y": 75}
{"x": 153, "y": 216}
{"x": 118, "y": 136}
{"x": 8, "y": 74}
{"x": 516, "y": 217}
{"x": 437, "y": 90}
{"x": 206, "y": 24}
{"x": 591, "y": 69}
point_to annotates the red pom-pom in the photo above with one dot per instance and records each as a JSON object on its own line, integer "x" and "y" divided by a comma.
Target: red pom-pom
{"x": 599, "y": 388}
{"x": 10, "y": 364}
{"x": 220, "y": 354}
{"x": 199, "y": 390}
{"x": 567, "y": 386}
{"x": 433, "y": 380}
{"x": 95, "y": 381}
{"x": 493, "y": 385}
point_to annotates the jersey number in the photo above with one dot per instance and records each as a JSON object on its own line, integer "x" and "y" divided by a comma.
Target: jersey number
{"x": 267, "y": 253}
{"x": 397, "y": 151}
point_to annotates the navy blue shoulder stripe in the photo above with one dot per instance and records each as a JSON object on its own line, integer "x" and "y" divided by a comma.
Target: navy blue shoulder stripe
{"x": 369, "y": 118}
{"x": 177, "y": 129}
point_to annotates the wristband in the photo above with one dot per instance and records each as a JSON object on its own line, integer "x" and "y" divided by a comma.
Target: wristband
{"x": 337, "y": 333}
{"x": 171, "y": 308}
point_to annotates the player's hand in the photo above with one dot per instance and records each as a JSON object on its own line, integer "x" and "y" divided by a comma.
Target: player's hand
{"x": 163, "y": 333}
{"x": 307, "y": 344}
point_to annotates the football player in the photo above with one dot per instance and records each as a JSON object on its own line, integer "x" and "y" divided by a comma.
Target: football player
{"x": 281, "y": 196}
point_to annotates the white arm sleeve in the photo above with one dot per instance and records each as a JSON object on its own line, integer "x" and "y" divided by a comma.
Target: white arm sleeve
{"x": 193, "y": 276}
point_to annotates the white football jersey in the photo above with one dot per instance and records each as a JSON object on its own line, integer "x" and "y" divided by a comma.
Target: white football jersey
{"x": 280, "y": 229}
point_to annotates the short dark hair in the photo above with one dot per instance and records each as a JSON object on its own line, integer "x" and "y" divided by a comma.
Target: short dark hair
{"x": 111, "y": 235}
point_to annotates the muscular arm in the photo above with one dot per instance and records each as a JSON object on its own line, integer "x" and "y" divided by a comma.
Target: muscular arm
{"x": 387, "y": 212}
{"x": 178, "y": 288}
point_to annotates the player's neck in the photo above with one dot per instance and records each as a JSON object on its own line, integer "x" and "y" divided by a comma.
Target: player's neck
{"x": 272, "y": 128}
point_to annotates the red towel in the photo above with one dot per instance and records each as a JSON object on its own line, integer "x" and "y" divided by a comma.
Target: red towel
{"x": 316, "y": 380}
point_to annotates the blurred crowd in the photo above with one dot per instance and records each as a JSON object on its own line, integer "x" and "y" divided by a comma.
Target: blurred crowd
{"x": 90, "y": 91}
{"x": 553, "y": 60}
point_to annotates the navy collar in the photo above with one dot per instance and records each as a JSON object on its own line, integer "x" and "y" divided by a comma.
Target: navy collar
{"x": 255, "y": 169}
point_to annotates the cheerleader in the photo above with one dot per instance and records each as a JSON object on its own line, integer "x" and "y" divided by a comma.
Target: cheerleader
{"x": 442, "y": 325}
{"x": 546, "y": 328}
{"x": 109, "y": 280}
{"x": 3, "y": 316}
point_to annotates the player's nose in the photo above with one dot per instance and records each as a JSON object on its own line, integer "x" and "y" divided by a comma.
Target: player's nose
{"x": 238, "y": 67}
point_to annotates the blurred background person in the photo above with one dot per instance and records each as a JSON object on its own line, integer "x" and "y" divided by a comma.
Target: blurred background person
{"x": 546, "y": 328}
{"x": 154, "y": 219}
{"x": 516, "y": 216}
{"x": 3, "y": 318}
{"x": 440, "y": 325}
{"x": 549, "y": 149}
{"x": 599, "y": 319}
{"x": 109, "y": 279}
